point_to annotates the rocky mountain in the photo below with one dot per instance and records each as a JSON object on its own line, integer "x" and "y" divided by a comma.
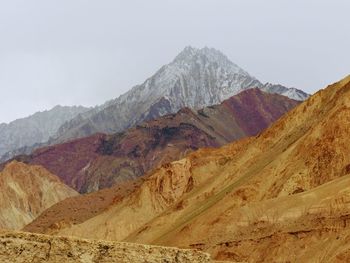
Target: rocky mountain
{"x": 37, "y": 128}
{"x": 26, "y": 191}
{"x": 101, "y": 161}
{"x": 195, "y": 78}
{"x": 281, "y": 196}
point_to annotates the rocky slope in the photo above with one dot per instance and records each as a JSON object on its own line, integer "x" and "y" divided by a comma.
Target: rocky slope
{"x": 26, "y": 191}
{"x": 101, "y": 161}
{"x": 281, "y": 196}
{"x": 77, "y": 209}
{"x": 22, "y": 247}
{"x": 37, "y": 128}
{"x": 195, "y": 78}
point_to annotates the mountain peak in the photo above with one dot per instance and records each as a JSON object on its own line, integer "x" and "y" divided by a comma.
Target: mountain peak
{"x": 206, "y": 55}
{"x": 189, "y": 50}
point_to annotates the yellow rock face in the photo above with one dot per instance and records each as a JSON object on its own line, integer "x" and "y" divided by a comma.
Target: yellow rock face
{"x": 26, "y": 191}
{"x": 281, "y": 196}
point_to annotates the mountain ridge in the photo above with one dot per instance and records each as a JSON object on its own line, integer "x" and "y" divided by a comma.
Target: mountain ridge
{"x": 100, "y": 161}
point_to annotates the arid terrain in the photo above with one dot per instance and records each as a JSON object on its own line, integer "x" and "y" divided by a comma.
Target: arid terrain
{"x": 280, "y": 196}
{"x": 174, "y": 131}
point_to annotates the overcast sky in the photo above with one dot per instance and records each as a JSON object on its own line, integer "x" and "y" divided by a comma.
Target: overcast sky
{"x": 86, "y": 52}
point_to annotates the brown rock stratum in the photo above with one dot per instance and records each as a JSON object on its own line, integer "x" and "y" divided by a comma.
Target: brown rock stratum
{"x": 26, "y": 191}
{"x": 101, "y": 161}
{"x": 282, "y": 196}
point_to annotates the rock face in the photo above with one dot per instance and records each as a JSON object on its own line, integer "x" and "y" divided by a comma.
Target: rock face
{"x": 35, "y": 129}
{"x": 16, "y": 247}
{"x": 101, "y": 161}
{"x": 26, "y": 191}
{"x": 196, "y": 78}
{"x": 282, "y": 196}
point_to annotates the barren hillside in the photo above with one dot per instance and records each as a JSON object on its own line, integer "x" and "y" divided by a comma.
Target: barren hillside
{"x": 26, "y": 191}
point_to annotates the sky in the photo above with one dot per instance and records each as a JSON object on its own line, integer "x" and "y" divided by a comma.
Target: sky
{"x": 84, "y": 52}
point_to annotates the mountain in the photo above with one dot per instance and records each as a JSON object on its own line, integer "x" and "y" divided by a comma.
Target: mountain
{"x": 101, "y": 161}
{"x": 26, "y": 191}
{"x": 196, "y": 78}
{"x": 37, "y": 128}
{"x": 281, "y": 196}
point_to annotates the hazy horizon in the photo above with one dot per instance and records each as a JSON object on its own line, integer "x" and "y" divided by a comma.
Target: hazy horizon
{"x": 87, "y": 52}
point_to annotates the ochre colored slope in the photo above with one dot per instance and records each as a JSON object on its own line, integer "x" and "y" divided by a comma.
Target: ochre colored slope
{"x": 101, "y": 161}
{"x": 77, "y": 209}
{"x": 26, "y": 191}
{"x": 284, "y": 191}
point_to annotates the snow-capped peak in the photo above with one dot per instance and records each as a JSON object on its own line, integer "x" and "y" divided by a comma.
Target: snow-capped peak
{"x": 207, "y": 55}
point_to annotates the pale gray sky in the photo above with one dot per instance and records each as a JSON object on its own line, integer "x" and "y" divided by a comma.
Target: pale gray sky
{"x": 86, "y": 52}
